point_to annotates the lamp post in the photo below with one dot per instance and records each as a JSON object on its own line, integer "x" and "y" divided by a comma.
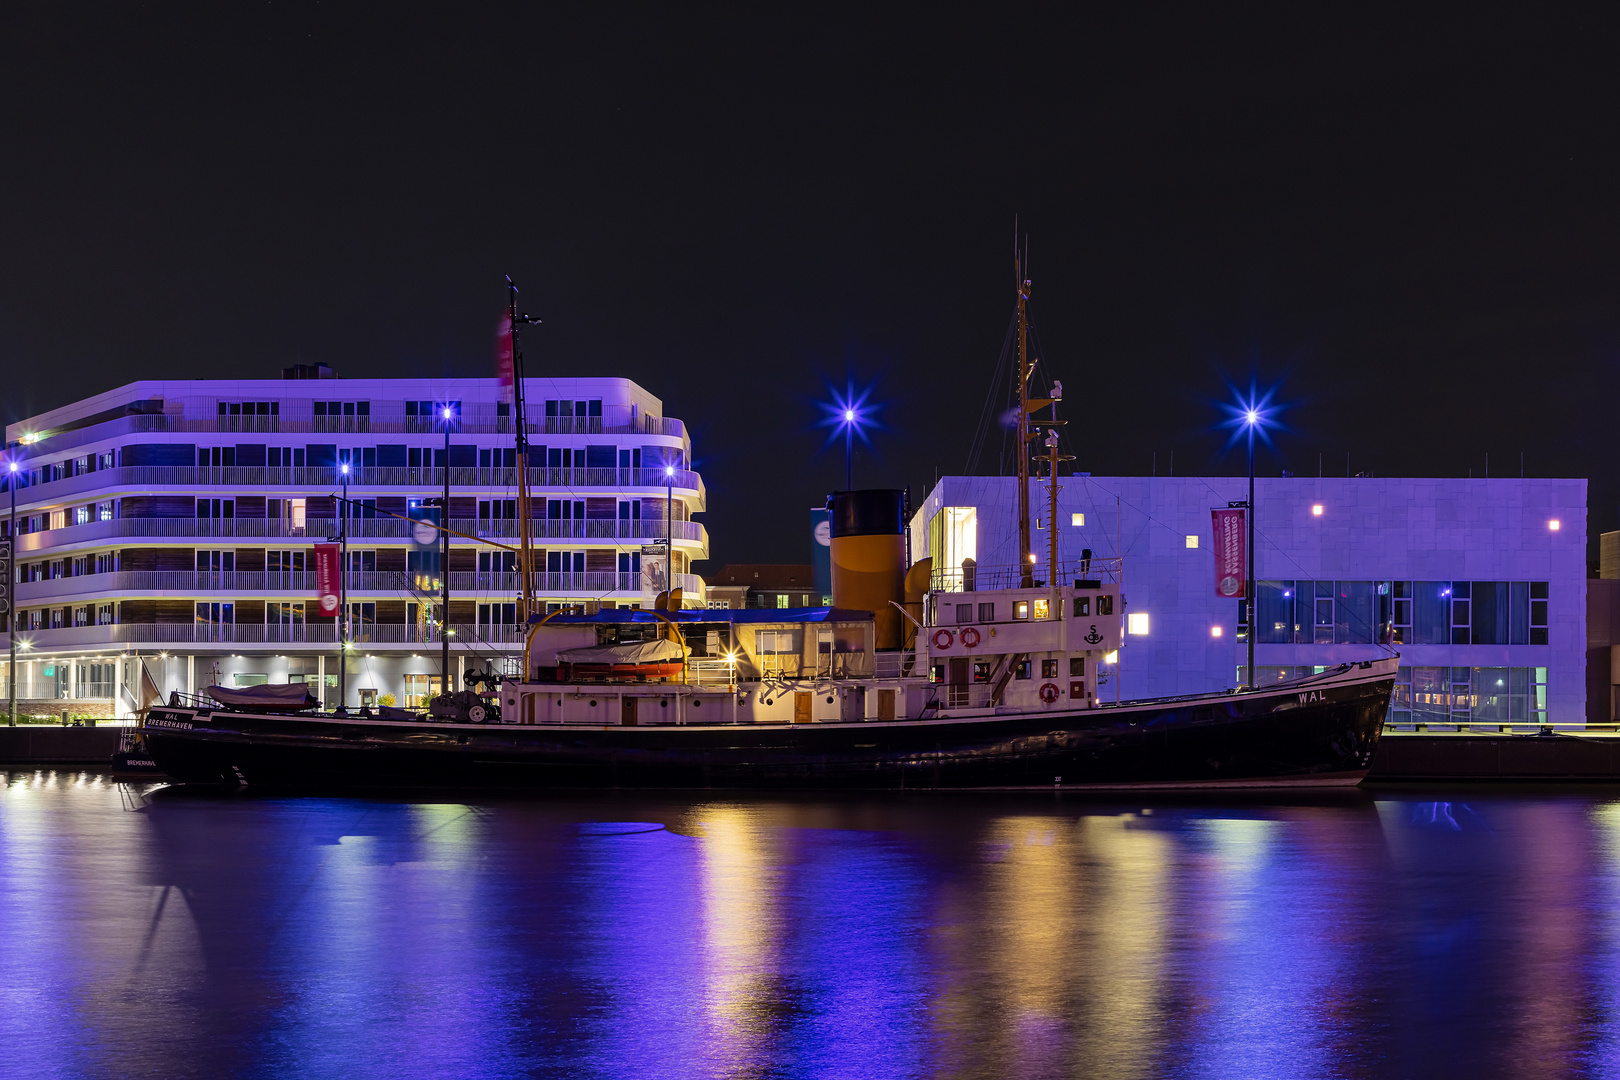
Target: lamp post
{"x": 1251, "y": 420}
{"x": 669, "y": 529}
{"x": 343, "y": 593}
{"x": 11, "y": 612}
{"x": 444, "y": 570}
{"x": 849, "y": 449}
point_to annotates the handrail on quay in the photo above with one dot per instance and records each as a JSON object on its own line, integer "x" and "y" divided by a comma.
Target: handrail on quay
{"x": 1500, "y": 727}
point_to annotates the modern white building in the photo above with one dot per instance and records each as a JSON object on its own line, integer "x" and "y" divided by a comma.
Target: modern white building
{"x": 1479, "y": 584}
{"x": 168, "y": 526}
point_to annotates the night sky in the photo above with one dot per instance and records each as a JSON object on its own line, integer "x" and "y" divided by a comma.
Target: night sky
{"x": 1409, "y": 222}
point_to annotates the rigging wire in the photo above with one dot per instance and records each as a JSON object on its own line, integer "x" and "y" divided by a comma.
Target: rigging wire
{"x": 990, "y": 414}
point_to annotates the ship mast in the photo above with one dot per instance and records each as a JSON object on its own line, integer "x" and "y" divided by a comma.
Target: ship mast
{"x": 520, "y": 428}
{"x": 1026, "y": 568}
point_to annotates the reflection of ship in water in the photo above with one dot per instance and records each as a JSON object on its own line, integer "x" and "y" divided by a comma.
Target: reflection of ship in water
{"x": 630, "y": 934}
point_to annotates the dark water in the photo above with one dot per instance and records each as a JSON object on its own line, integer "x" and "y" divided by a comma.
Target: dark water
{"x": 1376, "y": 935}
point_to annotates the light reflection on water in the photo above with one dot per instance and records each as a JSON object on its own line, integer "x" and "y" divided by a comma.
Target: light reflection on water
{"x": 660, "y": 936}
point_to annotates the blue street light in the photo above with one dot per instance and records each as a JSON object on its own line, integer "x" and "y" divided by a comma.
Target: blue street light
{"x": 1251, "y": 415}
{"x": 852, "y": 414}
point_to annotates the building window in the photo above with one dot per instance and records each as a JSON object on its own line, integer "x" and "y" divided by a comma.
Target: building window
{"x": 1192, "y": 541}
{"x": 981, "y": 671}
{"x": 1082, "y": 607}
{"x": 82, "y": 515}
{"x": 1049, "y": 669}
{"x": 987, "y": 612}
{"x": 1077, "y": 519}
{"x": 1077, "y": 666}
{"x": 964, "y": 614}
{"x": 781, "y": 600}
{"x": 104, "y": 615}
{"x": 1538, "y": 613}
{"x": 418, "y": 689}
{"x": 1022, "y": 670}
{"x": 1136, "y": 623}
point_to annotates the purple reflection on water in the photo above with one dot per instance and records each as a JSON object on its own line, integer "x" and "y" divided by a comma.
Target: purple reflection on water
{"x": 651, "y": 936}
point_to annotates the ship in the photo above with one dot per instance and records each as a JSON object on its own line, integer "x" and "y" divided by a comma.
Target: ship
{"x": 915, "y": 677}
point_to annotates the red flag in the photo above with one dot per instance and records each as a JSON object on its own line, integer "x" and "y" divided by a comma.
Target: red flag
{"x": 503, "y": 357}
{"x": 1231, "y": 571}
{"x": 326, "y": 577}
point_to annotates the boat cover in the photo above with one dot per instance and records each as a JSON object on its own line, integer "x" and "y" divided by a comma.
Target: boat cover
{"x": 631, "y": 652}
{"x": 264, "y": 696}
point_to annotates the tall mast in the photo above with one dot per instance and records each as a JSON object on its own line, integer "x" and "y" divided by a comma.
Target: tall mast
{"x": 1026, "y": 569}
{"x": 520, "y": 429}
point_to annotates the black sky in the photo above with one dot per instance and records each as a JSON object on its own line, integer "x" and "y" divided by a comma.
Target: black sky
{"x": 1410, "y": 220}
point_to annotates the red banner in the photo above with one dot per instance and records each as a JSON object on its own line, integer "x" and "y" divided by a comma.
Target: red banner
{"x": 1230, "y": 554}
{"x": 326, "y": 577}
{"x": 503, "y": 357}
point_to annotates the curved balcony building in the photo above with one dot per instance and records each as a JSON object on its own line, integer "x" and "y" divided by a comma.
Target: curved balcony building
{"x": 163, "y": 530}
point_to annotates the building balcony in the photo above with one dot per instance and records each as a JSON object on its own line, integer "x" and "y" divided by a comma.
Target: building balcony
{"x": 130, "y": 584}
{"x": 360, "y": 529}
{"x": 478, "y": 418}
{"x": 326, "y": 479}
{"x": 164, "y": 635}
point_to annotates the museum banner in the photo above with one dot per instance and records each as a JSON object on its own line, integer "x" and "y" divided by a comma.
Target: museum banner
{"x": 326, "y": 577}
{"x": 1230, "y": 554}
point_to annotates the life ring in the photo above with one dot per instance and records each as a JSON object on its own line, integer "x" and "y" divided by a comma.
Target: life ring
{"x": 970, "y": 637}
{"x": 943, "y": 639}
{"x": 1049, "y": 692}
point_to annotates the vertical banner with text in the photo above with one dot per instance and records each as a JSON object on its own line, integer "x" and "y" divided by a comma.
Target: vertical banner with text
{"x": 326, "y": 578}
{"x": 1230, "y": 555}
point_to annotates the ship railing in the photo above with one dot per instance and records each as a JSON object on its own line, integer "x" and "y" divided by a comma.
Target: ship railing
{"x": 1010, "y": 576}
{"x": 711, "y": 671}
{"x": 899, "y": 664}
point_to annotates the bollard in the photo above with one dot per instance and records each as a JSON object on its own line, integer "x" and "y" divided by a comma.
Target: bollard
{"x": 64, "y": 718}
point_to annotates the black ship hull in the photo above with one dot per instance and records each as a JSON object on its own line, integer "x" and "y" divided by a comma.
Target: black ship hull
{"x": 1321, "y": 731}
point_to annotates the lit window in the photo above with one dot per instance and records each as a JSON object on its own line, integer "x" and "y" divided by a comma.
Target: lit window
{"x": 1077, "y": 519}
{"x": 1042, "y": 609}
{"x": 1316, "y": 511}
{"x": 1554, "y": 525}
{"x": 1192, "y": 541}
{"x": 1111, "y": 658}
{"x": 1215, "y": 631}
{"x": 781, "y": 600}
{"x": 1020, "y": 609}
{"x": 1136, "y": 623}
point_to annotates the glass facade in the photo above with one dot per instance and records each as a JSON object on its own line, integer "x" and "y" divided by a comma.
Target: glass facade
{"x": 1402, "y": 612}
{"x": 1447, "y": 695}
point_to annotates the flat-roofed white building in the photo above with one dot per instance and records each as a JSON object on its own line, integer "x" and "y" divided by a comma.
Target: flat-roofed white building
{"x": 1479, "y": 584}
{"x": 171, "y": 522}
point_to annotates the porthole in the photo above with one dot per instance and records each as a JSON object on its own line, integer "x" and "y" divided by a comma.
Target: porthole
{"x": 663, "y": 704}
{"x": 593, "y": 703}
{"x": 697, "y": 704}
{"x": 829, "y": 699}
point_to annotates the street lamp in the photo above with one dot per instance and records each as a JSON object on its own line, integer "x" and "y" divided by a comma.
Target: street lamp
{"x": 850, "y": 414}
{"x": 669, "y": 528}
{"x": 10, "y": 589}
{"x": 1251, "y": 416}
{"x": 448, "y": 414}
{"x": 344, "y": 645}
